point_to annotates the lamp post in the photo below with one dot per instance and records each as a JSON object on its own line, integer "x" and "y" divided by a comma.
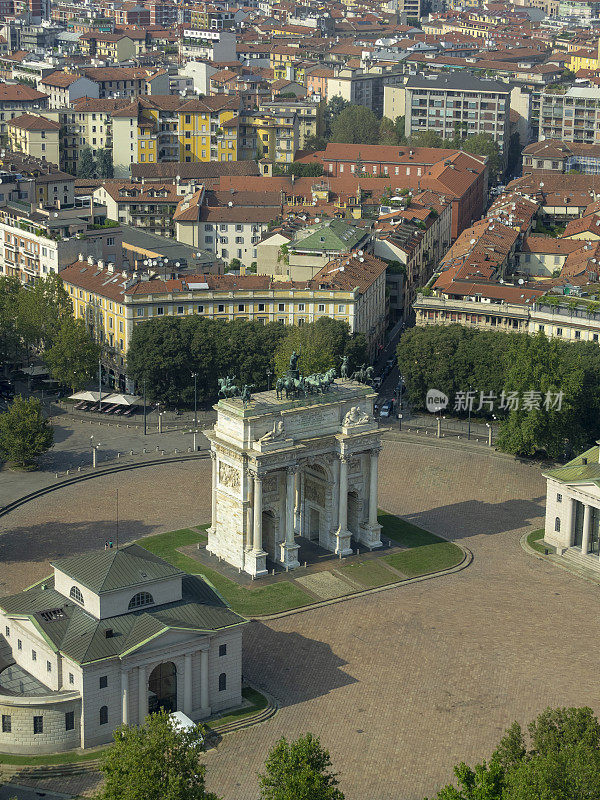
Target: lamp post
{"x": 145, "y": 419}
{"x": 94, "y": 450}
{"x": 269, "y": 373}
{"x": 399, "y": 422}
{"x": 470, "y": 403}
{"x": 160, "y": 416}
{"x": 100, "y": 384}
{"x": 195, "y": 431}
{"x": 195, "y": 377}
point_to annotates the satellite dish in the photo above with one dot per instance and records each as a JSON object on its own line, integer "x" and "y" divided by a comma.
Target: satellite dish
{"x": 521, "y": 281}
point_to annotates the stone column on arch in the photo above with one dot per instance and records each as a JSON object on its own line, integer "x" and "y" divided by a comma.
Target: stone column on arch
{"x": 213, "y": 523}
{"x": 255, "y": 562}
{"x": 187, "y": 684}
{"x": 587, "y": 524}
{"x": 343, "y": 535}
{"x": 289, "y": 548}
{"x": 373, "y": 531}
{"x": 204, "y": 682}
{"x": 124, "y": 696}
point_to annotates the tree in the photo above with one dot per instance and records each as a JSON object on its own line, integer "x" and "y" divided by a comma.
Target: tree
{"x": 235, "y": 264}
{"x": 73, "y": 358}
{"x": 355, "y": 125}
{"x": 155, "y": 761}
{"x": 311, "y": 170}
{"x": 387, "y": 132}
{"x": 322, "y": 344}
{"x": 400, "y": 125}
{"x": 105, "y": 163}
{"x": 484, "y": 145}
{"x": 24, "y": 432}
{"x": 562, "y": 762}
{"x": 299, "y": 770}
{"x": 86, "y": 167}
{"x": 427, "y": 139}
{"x": 41, "y": 310}
{"x": 10, "y": 339}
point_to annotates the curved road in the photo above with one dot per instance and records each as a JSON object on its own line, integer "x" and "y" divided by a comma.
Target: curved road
{"x": 402, "y": 684}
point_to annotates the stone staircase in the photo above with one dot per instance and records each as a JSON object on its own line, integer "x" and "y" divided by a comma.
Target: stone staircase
{"x": 586, "y": 565}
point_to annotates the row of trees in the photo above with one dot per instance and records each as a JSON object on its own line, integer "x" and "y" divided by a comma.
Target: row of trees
{"x": 38, "y": 320}
{"x": 100, "y": 166}
{"x": 339, "y": 121}
{"x": 499, "y": 367}
{"x": 559, "y": 760}
{"x": 164, "y": 353}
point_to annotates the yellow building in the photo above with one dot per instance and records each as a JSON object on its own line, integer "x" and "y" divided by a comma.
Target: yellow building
{"x": 271, "y": 135}
{"x": 170, "y": 128}
{"x": 112, "y": 308}
{"x": 36, "y": 136}
{"x": 585, "y": 58}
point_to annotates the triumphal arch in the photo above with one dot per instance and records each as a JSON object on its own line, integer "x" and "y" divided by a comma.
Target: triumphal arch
{"x": 294, "y": 466}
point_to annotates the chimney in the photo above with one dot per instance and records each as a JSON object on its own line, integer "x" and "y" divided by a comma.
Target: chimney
{"x": 90, "y": 260}
{"x": 110, "y": 268}
{"x": 100, "y": 264}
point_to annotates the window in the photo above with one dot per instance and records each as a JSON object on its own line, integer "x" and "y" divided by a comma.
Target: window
{"x": 222, "y": 649}
{"x": 48, "y": 666}
{"x": 559, "y": 498}
{"x": 261, "y": 306}
{"x": 160, "y": 311}
{"x": 19, "y": 644}
{"x": 38, "y": 724}
{"x": 341, "y": 309}
{"x": 70, "y": 721}
{"x": 75, "y": 594}
{"x": 300, "y": 306}
{"x": 139, "y": 312}
{"x": 33, "y": 655}
{"x": 281, "y": 306}
{"x": 240, "y": 306}
{"x": 321, "y": 307}
{"x": 6, "y": 723}
{"x": 103, "y": 715}
{"x": 222, "y": 682}
{"x": 71, "y": 678}
{"x": 141, "y": 599}
{"x": 103, "y": 681}
{"x": 180, "y": 309}
{"x": 7, "y": 630}
{"x": 557, "y": 524}
{"x": 578, "y": 334}
{"x": 221, "y": 308}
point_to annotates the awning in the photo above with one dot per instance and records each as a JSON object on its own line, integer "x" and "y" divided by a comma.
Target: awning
{"x": 122, "y": 399}
{"x": 89, "y": 397}
{"x": 35, "y": 371}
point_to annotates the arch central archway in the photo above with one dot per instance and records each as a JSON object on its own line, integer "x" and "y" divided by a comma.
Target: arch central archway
{"x": 162, "y": 688}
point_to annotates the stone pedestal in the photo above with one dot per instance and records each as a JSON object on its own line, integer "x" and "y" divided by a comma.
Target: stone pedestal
{"x": 342, "y": 546}
{"x": 288, "y": 555}
{"x": 255, "y": 563}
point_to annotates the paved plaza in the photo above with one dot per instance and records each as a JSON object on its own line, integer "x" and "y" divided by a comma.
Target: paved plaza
{"x": 400, "y": 684}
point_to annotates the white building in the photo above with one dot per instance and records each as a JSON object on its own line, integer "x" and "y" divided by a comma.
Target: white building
{"x": 108, "y": 638}
{"x": 208, "y": 45}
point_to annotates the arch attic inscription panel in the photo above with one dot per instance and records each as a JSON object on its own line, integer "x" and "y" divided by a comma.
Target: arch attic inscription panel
{"x": 289, "y": 468}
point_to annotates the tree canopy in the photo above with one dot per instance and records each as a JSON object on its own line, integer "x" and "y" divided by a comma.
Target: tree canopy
{"x": 73, "y": 358}
{"x": 561, "y": 761}
{"x": 86, "y": 166}
{"x": 299, "y": 770}
{"x": 322, "y": 345}
{"x": 24, "y": 432}
{"x": 356, "y": 125}
{"x": 166, "y": 351}
{"x": 454, "y": 359}
{"x": 154, "y": 761}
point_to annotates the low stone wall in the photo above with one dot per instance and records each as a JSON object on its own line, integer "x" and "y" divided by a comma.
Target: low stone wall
{"x": 55, "y": 738}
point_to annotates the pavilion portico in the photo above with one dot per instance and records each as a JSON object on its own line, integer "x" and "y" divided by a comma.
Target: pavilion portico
{"x": 573, "y": 507}
{"x": 284, "y": 469}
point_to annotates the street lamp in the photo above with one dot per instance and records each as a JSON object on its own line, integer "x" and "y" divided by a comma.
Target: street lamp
{"x": 399, "y": 422}
{"x": 145, "y": 431}
{"x": 269, "y": 373}
{"x": 195, "y": 431}
{"x": 470, "y": 403}
{"x": 94, "y": 450}
{"x": 195, "y": 377}
{"x": 100, "y": 384}
{"x": 160, "y": 416}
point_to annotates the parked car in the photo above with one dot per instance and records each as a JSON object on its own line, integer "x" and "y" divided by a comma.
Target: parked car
{"x": 391, "y": 363}
{"x": 377, "y": 383}
{"x": 386, "y": 409}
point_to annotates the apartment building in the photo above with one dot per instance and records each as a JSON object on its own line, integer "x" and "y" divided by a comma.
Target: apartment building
{"x": 229, "y": 225}
{"x": 63, "y": 88}
{"x": 557, "y": 156}
{"x": 446, "y": 104}
{"x": 87, "y": 123}
{"x": 36, "y": 241}
{"x": 17, "y": 99}
{"x": 115, "y": 47}
{"x": 305, "y": 111}
{"x": 273, "y": 135}
{"x": 127, "y": 81}
{"x": 571, "y": 115}
{"x": 363, "y": 88}
{"x": 150, "y": 207}
{"x": 36, "y": 136}
{"x": 169, "y": 128}
{"x": 355, "y": 295}
{"x": 209, "y": 45}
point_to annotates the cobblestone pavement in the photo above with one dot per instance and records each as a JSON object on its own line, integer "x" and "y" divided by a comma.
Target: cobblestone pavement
{"x": 401, "y": 684}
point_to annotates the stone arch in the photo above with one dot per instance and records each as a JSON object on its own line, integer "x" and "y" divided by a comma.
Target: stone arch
{"x": 162, "y": 687}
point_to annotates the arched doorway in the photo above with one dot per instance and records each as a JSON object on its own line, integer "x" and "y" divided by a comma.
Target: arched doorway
{"x": 162, "y": 688}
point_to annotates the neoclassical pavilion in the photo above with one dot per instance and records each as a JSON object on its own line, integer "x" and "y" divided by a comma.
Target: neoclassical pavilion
{"x": 289, "y": 468}
{"x": 573, "y": 507}
{"x": 108, "y": 638}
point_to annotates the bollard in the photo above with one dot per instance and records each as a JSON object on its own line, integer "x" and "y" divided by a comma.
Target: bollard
{"x": 67, "y": 472}
{"x": 157, "y": 448}
{"x": 273, "y": 572}
{"x": 78, "y": 469}
{"x": 340, "y": 555}
{"x": 239, "y": 571}
{"x": 287, "y": 569}
{"x": 252, "y": 576}
{"x": 131, "y": 452}
{"x": 162, "y": 452}
{"x": 189, "y": 449}
{"x": 305, "y": 565}
{"x": 176, "y": 451}
{"x": 56, "y": 474}
{"x": 118, "y": 455}
{"x": 144, "y": 450}
{"x": 198, "y": 546}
